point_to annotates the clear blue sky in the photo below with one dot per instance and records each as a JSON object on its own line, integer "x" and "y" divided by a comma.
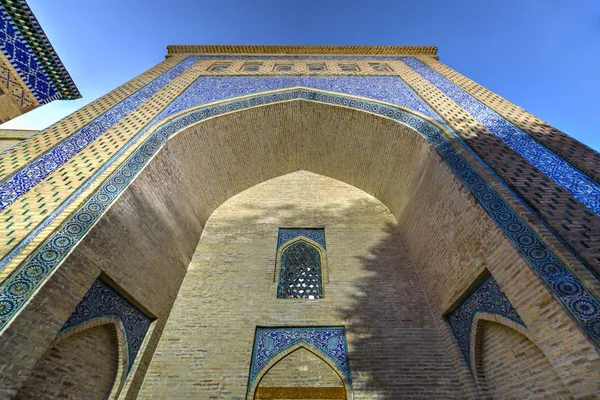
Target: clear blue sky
{"x": 543, "y": 55}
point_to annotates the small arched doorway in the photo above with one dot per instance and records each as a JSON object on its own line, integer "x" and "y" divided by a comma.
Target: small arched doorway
{"x": 83, "y": 365}
{"x": 301, "y": 374}
{"x": 510, "y": 365}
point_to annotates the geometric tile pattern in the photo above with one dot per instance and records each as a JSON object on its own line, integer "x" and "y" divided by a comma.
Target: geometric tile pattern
{"x": 317, "y": 235}
{"x": 579, "y": 185}
{"x": 208, "y": 89}
{"x": 26, "y": 46}
{"x": 103, "y": 301}
{"x": 24, "y": 60}
{"x": 33, "y": 173}
{"x": 582, "y": 304}
{"x": 300, "y": 275}
{"x": 329, "y": 342}
{"x": 14, "y": 86}
{"x": 486, "y": 297}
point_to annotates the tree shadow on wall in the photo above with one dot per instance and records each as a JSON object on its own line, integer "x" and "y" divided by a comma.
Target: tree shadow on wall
{"x": 395, "y": 348}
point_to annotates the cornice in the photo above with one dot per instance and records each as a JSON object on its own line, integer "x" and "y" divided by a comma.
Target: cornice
{"x": 28, "y": 25}
{"x": 305, "y": 50}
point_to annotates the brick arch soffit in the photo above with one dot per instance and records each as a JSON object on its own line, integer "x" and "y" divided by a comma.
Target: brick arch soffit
{"x": 122, "y": 346}
{"x": 285, "y": 353}
{"x": 581, "y": 303}
{"x": 479, "y": 320}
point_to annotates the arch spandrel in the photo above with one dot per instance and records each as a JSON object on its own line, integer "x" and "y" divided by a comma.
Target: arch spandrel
{"x": 389, "y": 164}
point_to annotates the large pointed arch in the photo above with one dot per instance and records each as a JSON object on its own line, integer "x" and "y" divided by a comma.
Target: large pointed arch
{"x": 394, "y": 154}
{"x": 419, "y": 128}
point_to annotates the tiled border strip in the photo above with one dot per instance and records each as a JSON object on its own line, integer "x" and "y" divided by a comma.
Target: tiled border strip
{"x": 583, "y": 306}
{"x": 30, "y": 175}
{"x": 579, "y": 185}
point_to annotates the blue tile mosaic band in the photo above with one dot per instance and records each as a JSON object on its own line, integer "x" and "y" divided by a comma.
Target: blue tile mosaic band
{"x": 33, "y": 173}
{"x": 24, "y": 60}
{"x": 572, "y": 293}
{"x": 269, "y": 342}
{"x": 103, "y": 301}
{"x": 579, "y": 185}
{"x": 210, "y": 89}
{"x": 317, "y": 235}
{"x": 488, "y": 298}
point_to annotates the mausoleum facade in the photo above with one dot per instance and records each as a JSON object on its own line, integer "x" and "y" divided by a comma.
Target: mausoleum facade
{"x": 300, "y": 222}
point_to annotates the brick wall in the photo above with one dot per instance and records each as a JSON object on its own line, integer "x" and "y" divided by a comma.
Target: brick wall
{"x": 146, "y": 241}
{"x": 514, "y": 367}
{"x": 82, "y": 366}
{"x": 301, "y": 368}
{"x": 394, "y": 345}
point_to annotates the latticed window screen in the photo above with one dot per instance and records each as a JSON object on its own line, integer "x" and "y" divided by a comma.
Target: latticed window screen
{"x": 300, "y": 276}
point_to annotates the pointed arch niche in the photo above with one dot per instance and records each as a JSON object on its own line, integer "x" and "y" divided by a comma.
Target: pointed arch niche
{"x": 300, "y": 363}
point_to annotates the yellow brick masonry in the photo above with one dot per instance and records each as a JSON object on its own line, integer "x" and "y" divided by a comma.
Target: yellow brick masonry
{"x": 33, "y": 207}
{"x": 206, "y": 348}
{"x": 470, "y": 129}
{"x": 578, "y": 154}
{"x": 33, "y": 148}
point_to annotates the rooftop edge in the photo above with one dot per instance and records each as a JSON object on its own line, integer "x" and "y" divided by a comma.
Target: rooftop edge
{"x": 304, "y": 50}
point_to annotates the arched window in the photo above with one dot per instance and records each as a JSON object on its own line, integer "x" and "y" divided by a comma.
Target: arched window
{"x": 251, "y": 66}
{"x": 219, "y": 67}
{"x": 349, "y": 67}
{"x": 301, "y": 267}
{"x": 316, "y": 67}
{"x": 283, "y": 67}
{"x": 380, "y": 67}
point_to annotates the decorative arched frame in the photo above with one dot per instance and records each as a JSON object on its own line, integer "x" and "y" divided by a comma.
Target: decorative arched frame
{"x": 567, "y": 288}
{"x": 314, "y": 237}
{"x": 484, "y": 298}
{"x": 103, "y": 303}
{"x": 271, "y": 345}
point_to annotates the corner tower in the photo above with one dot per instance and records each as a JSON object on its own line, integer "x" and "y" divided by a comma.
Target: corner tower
{"x": 288, "y": 222}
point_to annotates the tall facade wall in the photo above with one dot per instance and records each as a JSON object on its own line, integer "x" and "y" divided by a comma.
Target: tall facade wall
{"x": 230, "y": 289}
{"x": 105, "y": 167}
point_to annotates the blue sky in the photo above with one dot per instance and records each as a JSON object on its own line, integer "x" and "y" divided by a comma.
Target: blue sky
{"x": 543, "y": 55}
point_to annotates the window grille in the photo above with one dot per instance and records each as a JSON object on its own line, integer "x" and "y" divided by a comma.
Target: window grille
{"x": 300, "y": 275}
